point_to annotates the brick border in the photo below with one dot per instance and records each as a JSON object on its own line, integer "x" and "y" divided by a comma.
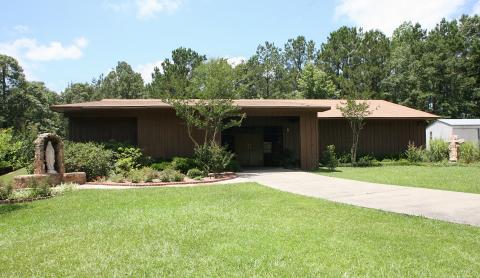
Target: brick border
{"x": 18, "y": 201}
{"x": 228, "y": 177}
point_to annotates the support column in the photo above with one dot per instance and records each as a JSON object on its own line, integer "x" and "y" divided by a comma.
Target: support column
{"x": 308, "y": 141}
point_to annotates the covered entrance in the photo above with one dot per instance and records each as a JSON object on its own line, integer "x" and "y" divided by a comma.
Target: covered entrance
{"x": 265, "y": 141}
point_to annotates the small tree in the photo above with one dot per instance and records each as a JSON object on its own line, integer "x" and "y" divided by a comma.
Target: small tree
{"x": 355, "y": 112}
{"x": 208, "y": 106}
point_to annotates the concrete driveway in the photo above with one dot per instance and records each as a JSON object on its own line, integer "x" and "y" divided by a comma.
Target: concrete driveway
{"x": 449, "y": 206}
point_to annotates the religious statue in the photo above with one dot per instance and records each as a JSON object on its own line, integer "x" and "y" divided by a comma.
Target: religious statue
{"x": 453, "y": 147}
{"x": 50, "y": 158}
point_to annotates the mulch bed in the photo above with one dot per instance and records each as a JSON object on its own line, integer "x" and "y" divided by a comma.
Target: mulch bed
{"x": 17, "y": 201}
{"x": 208, "y": 180}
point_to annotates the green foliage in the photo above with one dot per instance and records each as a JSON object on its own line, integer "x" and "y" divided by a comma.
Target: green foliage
{"x": 128, "y": 157}
{"x": 5, "y": 190}
{"x": 145, "y": 174}
{"x": 316, "y": 84}
{"x": 212, "y": 158}
{"x": 183, "y": 164}
{"x": 195, "y": 173}
{"x": 329, "y": 158}
{"x": 414, "y": 154}
{"x": 40, "y": 189}
{"x": 160, "y": 166}
{"x": 92, "y": 158}
{"x": 469, "y": 152}
{"x": 121, "y": 82}
{"x": 367, "y": 161}
{"x": 170, "y": 175}
{"x": 438, "y": 150}
{"x": 355, "y": 112}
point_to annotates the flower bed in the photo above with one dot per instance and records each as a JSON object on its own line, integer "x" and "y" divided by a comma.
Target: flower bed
{"x": 210, "y": 179}
{"x": 26, "y": 200}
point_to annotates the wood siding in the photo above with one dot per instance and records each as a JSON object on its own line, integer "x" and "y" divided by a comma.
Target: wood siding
{"x": 378, "y": 138}
{"x": 309, "y": 141}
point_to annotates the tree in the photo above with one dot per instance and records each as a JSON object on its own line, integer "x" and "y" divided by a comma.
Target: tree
{"x": 174, "y": 77}
{"x": 355, "y": 112}
{"x": 11, "y": 79}
{"x": 78, "y": 92}
{"x": 298, "y": 53}
{"x": 357, "y": 60}
{"x": 213, "y": 109}
{"x": 270, "y": 62}
{"x": 121, "y": 82}
{"x": 315, "y": 83}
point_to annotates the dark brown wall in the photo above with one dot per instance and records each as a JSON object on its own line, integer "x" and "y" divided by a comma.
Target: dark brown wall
{"x": 379, "y": 137}
{"x": 309, "y": 151}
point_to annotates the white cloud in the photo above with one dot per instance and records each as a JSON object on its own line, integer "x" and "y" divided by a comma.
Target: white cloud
{"x": 149, "y": 8}
{"x": 146, "y": 70}
{"x": 117, "y": 6}
{"x": 29, "y": 49}
{"x": 235, "y": 61}
{"x": 476, "y": 8}
{"x": 21, "y": 28}
{"x": 387, "y": 15}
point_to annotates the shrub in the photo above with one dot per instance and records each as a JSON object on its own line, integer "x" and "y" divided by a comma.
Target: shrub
{"x": 329, "y": 158}
{"x": 160, "y": 166}
{"x": 169, "y": 175}
{"x": 91, "y": 158}
{"x": 212, "y": 158}
{"x": 438, "y": 150}
{"x": 125, "y": 165}
{"x": 234, "y": 166}
{"x": 414, "y": 154}
{"x": 145, "y": 174}
{"x": 5, "y": 190}
{"x": 183, "y": 164}
{"x": 195, "y": 173}
{"x": 40, "y": 189}
{"x": 11, "y": 149}
{"x": 345, "y": 158}
{"x": 468, "y": 152}
{"x": 116, "y": 177}
{"x": 367, "y": 161}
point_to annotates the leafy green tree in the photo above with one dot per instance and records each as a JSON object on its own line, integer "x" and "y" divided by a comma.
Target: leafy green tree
{"x": 174, "y": 77}
{"x": 357, "y": 60}
{"x": 298, "y": 53}
{"x": 79, "y": 92}
{"x": 121, "y": 82}
{"x": 315, "y": 83}
{"x": 355, "y": 112}
{"x": 12, "y": 79}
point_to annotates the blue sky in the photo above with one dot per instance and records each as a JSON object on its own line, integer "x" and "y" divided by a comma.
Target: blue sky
{"x": 59, "y": 42}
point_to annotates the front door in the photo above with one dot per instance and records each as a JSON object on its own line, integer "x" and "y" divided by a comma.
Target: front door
{"x": 249, "y": 149}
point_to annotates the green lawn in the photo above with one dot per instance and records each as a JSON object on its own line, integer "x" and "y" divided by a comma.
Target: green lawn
{"x": 7, "y": 178}
{"x": 454, "y": 178}
{"x": 238, "y": 230}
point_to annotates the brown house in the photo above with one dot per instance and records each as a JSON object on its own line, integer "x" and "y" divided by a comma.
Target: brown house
{"x": 273, "y": 129}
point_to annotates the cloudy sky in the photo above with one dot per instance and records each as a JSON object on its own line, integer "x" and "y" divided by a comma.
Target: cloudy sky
{"x": 65, "y": 41}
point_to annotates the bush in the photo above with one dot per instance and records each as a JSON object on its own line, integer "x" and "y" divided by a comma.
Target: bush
{"x": 367, "y": 161}
{"x": 91, "y": 158}
{"x": 128, "y": 158}
{"x": 5, "y": 190}
{"x": 169, "y": 175}
{"x": 414, "y": 154}
{"x": 329, "y": 158}
{"x": 234, "y": 166}
{"x": 438, "y": 150}
{"x": 195, "y": 173}
{"x": 160, "y": 166}
{"x": 11, "y": 149}
{"x": 40, "y": 189}
{"x": 468, "y": 152}
{"x": 212, "y": 158}
{"x": 116, "y": 177}
{"x": 183, "y": 164}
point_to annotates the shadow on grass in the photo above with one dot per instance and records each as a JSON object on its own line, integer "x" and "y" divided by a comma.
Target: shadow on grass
{"x": 326, "y": 170}
{"x": 6, "y": 208}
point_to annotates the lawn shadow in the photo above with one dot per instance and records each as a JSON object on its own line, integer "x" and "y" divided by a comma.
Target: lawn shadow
{"x": 326, "y": 170}
{"x": 7, "y": 208}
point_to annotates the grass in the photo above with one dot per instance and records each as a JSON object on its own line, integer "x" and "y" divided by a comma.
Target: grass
{"x": 8, "y": 178}
{"x": 237, "y": 230}
{"x": 453, "y": 178}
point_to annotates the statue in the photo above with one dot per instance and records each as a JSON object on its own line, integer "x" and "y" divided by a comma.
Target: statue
{"x": 453, "y": 148}
{"x": 50, "y": 158}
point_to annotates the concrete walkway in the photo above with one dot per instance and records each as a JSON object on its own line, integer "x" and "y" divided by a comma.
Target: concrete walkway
{"x": 449, "y": 206}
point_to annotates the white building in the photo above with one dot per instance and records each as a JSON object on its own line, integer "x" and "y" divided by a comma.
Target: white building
{"x": 467, "y": 129}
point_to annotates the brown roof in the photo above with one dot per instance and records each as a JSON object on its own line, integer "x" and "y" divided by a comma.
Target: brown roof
{"x": 380, "y": 108}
